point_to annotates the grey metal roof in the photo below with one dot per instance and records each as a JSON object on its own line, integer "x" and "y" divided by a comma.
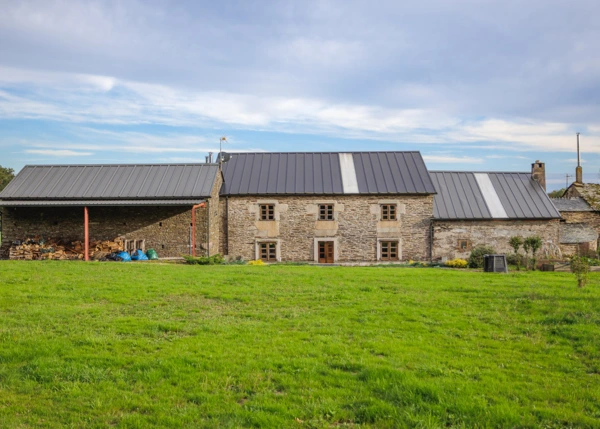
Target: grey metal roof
{"x": 576, "y": 204}
{"x": 461, "y": 195}
{"x": 573, "y": 233}
{"x": 103, "y": 203}
{"x": 112, "y": 182}
{"x": 296, "y": 173}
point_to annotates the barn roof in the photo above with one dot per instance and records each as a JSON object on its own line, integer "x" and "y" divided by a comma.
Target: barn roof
{"x": 321, "y": 173}
{"x": 576, "y": 204}
{"x": 155, "y": 182}
{"x": 491, "y": 195}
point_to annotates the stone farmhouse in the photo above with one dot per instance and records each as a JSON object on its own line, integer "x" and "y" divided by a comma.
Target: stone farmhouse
{"x": 316, "y": 207}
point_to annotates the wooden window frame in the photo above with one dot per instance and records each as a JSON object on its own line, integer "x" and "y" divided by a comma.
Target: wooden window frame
{"x": 267, "y": 253}
{"x": 389, "y": 250}
{"x": 131, "y": 245}
{"x": 327, "y": 211}
{"x": 266, "y": 212}
{"x": 389, "y": 211}
{"x": 467, "y": 244}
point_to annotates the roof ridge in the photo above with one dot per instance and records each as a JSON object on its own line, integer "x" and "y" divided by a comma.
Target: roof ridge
{"x": 175, "y": 164}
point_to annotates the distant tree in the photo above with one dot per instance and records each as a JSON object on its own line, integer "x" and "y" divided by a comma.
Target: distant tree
{"x": 6, "y": 175}
{"x": 557, "y": 194}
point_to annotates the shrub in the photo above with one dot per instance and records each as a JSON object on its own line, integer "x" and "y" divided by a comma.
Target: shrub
{"x": 238, "y": 261}
{"x": 457, "y": 263}
{"x": 515, "y": 259}
{"x": 534, "y": 243}
{"x": 257, "y": 262}
{"x": 476, "y": 257}
{"x": 581, "y": 268}
{"x": 204, "y": 260}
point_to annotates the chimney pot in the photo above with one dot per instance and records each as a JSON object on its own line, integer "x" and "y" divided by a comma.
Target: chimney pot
{"x": 538, "y": 172}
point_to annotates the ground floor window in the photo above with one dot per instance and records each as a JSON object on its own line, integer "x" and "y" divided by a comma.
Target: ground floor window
{"x": 389, "y": 250}
{"x": 268, "y": 251}
{"x": 464, "y": 245}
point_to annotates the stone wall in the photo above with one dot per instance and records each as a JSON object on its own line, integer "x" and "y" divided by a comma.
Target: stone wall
{"x": 495, "y": 233}
{"x": 214, "y": 217}
{"x": 356, "y": 227}
{"x": 166, "y": 229}
{"x": 590, "y": 218}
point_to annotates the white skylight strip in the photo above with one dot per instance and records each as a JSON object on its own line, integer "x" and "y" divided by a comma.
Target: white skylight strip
{"x": 349, "y": 181}
{"x": 491, "y": 197}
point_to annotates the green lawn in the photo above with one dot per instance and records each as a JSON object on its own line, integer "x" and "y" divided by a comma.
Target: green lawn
{"x": 133, "y": 345}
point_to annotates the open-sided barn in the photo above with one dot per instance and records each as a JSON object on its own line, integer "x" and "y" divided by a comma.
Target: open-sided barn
{"x": 153, "y": 206}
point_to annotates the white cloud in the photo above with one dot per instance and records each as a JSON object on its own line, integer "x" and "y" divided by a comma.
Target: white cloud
{"x": 448, "y": 159}
{"x": 107, "y": 100}
{"x": 57, "y": 152}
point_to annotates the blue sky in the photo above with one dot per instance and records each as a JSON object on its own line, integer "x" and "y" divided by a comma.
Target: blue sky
{"x": 473, "y": 85}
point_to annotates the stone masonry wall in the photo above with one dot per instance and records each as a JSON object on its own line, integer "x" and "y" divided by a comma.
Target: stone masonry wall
{"x": 215, "y": 218}
{"x": 590, "y": 218}
{"x": 355, "y": 229}
{"x": 495, "y": 233}
{"x": 166, "y": 229}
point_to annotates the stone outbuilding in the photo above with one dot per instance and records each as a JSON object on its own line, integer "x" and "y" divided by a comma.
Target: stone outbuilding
{"x": 580, "y": 224}
{"x": 479, "y": 208}
{"x": 173, "y": 208}
{"x": 327, "y": 207}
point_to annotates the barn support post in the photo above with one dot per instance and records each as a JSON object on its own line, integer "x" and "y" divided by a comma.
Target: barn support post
{"x": 86, "y": 233}
{"x": 197, "y": 206}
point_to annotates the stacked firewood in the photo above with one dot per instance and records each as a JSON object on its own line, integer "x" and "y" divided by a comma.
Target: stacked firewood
{"x": 38, "y": 249}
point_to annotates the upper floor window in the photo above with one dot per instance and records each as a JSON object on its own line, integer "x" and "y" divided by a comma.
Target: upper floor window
{"x": 388, "y": 212}
{"x": 267, "y": 212}
{"x": 325, "y": 211}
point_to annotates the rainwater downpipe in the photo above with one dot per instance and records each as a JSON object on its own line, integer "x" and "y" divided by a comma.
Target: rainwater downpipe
{"x": 197, "y": 206}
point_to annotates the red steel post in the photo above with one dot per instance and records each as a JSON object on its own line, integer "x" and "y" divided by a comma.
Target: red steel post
{"x": 86, "y": 230}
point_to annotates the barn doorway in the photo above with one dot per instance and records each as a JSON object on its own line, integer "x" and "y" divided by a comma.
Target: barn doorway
{"x": 326, "y": 251}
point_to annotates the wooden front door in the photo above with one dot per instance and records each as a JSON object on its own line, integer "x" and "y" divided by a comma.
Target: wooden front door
{"x": 325, "y": 252}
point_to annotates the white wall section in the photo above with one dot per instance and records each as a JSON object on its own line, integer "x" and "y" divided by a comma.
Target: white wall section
{"x": 349, "y": 181}
{"x": 491, "y": 197}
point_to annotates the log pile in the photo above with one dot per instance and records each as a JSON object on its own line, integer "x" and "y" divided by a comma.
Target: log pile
{"x": 39, "y": 249}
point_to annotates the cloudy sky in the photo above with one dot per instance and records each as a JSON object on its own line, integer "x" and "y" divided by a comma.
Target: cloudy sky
{"x": 473, "y": 85}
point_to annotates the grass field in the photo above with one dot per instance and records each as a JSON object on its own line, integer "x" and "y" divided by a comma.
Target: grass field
{"x": 133, "y": 345}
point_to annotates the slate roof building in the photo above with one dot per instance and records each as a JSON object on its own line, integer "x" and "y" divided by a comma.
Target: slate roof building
{"x": 328, "y": 207}
{"x": 320, "y": 207}
{"x": 487, "y": 208}
{"x": 580, "y": 225}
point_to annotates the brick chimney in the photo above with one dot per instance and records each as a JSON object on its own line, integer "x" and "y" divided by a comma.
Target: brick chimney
{"x": 538, "y": 172}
